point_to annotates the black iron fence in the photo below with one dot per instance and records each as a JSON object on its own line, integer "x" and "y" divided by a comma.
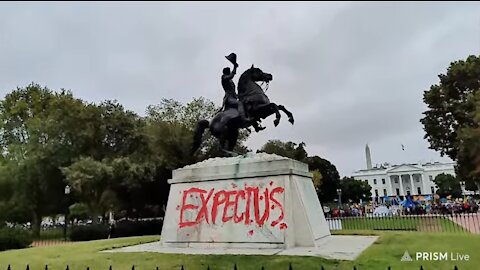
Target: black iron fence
{"x": 234, "y": 267}
{"x": 454, "y": 223}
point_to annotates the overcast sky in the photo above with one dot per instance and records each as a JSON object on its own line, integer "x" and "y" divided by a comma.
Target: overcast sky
{"x": 351, "y": 73}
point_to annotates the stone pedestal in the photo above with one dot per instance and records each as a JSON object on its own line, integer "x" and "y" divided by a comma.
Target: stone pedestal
{"x": 253, "y": 201}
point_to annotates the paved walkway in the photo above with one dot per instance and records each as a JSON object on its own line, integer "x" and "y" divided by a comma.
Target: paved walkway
{"x": 339, "y": 247}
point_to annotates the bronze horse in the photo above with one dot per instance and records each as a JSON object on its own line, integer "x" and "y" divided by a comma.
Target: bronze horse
{"x": 254, "y": 99}
{"x": 257, "y": 106}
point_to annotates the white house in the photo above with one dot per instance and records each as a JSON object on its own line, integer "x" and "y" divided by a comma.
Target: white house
{"x": 405, "y": 179}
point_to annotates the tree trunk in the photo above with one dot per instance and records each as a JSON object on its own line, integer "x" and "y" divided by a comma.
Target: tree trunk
{"x": 36, "y": 222}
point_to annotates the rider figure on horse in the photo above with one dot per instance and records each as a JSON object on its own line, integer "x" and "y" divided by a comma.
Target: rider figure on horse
{"x": 239, "y": 111}
{"x": 230, "y": 100}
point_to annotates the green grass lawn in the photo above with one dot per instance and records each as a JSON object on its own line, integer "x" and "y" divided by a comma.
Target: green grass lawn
{"x": 387, "y": 251}
{"x": 403, "y": 223}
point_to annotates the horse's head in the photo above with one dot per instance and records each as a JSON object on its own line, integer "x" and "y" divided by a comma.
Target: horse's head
{"x": 257, "y": 75}
{"x": 252, "y": 74}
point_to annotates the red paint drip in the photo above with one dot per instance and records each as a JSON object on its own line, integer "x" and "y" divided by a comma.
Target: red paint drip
{"x": 283, "y": 226}
{"x": 271, "y": 183}
{"x": 250, "y": 232}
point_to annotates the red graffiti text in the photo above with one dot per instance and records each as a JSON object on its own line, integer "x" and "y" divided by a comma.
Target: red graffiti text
{"x": 249, "y": 206}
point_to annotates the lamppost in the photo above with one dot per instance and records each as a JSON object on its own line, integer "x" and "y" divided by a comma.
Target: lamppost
{"x": 339, "y": 192}
{"x": 67, "y": 191}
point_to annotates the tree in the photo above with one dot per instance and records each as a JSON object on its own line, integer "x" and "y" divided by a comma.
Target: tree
{"x": 173, "y": 111}
{"x": 285, "y": 149}
{"x": 317, "y": 179}
{"x": 449, "y": 106}
{"x": 124, "y": 146}
{"x": 120, "y": 132}
{"x": 9, "y": 211}
{"x": 41, "y": 131}
{"x": 450, "y": 118}
{"x": 355, "y": 190}
{"x": 121, "y": 145}
{"x": 448, "y": 185}
{"x": 330, "y": 177}
{"x": 92, "y": 180}
{"x": 468, "y": 158}
{"x": 169, "y": 143}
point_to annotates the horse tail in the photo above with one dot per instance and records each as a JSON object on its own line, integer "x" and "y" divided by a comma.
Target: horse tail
{"x": 197, "y": 137}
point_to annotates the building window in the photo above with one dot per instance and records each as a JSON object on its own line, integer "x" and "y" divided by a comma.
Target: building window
{"x": 408, "y": 192}
{"x": 430, "y": 177}
{"x": 432, "y": 189}
{"x": 417, "y": 179}
{"x": 419, "y": 191}
{"x": 383, "y": 181}
{"x": 384, "y": 192}
{"x": 374, "y": 181}
{"x": 396, "y": 181}
{"x": 376, "y": 192}
{"x": 398, "y": 192}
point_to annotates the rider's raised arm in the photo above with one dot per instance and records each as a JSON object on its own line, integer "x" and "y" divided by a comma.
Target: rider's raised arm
{"x": 232, "y": 74}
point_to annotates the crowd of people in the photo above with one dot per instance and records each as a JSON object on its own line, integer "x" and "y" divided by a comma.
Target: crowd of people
{"x": 405, "y": 207}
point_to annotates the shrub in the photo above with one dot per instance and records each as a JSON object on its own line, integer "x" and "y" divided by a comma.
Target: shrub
{"x": 14, "y": 239}
{"x": 78, "y": 211}
{"x": 88, "y": 232}
{"x": 137, "y": 228}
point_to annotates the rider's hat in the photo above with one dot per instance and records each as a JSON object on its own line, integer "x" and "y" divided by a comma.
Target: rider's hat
{"x": 232, "y": 58}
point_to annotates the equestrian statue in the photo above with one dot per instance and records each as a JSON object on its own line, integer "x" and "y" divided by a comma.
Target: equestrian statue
{"x": 240, "y": 111}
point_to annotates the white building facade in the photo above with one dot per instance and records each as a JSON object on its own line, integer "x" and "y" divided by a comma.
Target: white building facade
{"x": 405, "y": 179}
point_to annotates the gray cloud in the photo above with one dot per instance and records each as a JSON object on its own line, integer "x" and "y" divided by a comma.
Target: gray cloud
{"x": 351, "y": 73}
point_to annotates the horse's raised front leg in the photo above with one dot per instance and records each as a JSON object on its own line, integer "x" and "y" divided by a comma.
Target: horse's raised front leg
{"x": 277, "y": 114}
{"x": 288, "y": 113}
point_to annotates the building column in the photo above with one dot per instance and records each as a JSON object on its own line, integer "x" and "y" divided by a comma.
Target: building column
{"x": 412, "y": 190}
{"x": 390, "y": 191}
{"x": 402, "y": 193}
{"x": 425, "y": 186}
